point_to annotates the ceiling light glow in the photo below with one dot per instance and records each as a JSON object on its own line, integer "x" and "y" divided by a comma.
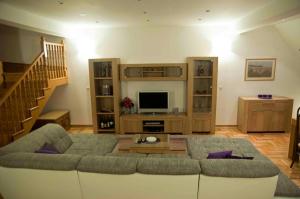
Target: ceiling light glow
{"x": 83, "y": 41}
{"x": 222, "y": 41}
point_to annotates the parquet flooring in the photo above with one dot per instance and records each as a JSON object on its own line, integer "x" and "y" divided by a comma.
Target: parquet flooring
{"x": 273, "y": 145}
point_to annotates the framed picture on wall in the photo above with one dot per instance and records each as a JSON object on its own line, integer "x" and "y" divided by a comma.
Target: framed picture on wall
{"x": 260, "y": 69}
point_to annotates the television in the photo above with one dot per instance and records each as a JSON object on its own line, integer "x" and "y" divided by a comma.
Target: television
{"x": 153, "y": 101}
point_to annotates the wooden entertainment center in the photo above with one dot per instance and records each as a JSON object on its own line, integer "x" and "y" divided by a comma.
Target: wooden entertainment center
{"x": 199, "y": 73}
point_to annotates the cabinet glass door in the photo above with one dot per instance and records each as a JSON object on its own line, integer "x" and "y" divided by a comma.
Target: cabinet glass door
{"x": 104, "y": 96}
{"x": 202, "y": 86}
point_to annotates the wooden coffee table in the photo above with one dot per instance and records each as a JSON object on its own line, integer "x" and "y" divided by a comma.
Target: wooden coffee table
{"x": 167, "y": 144}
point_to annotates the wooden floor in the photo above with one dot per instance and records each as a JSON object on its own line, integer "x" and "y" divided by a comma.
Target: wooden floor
{"x": 273, "y": 145}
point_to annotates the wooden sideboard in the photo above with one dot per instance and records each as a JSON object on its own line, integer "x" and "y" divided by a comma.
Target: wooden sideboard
{"x": 61, "y": 117}
{"x": 158, "y": 123}
{"x": 264, "y": 115}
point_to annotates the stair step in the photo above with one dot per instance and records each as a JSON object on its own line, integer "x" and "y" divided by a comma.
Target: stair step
{"x": 33, "y": 108}
{"x": 5, "y": 87}
{"x": 27, "y": 119}
{"x": 18, "y": 134}
{"x": 12, "y": 77}
{"x": 40, "y": 98}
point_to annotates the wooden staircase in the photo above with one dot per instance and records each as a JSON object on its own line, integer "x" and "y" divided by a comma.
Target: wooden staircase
{"x": 10, "y": 73}
{"x": 23, "y": 102}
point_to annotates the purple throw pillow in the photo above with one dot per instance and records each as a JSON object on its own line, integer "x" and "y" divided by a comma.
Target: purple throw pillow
{"x": 47, "y": 148}
{"x": 219, "y": 155}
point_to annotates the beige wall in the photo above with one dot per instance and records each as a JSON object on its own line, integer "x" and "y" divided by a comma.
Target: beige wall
{"x": 174, "y": 44}
{"x": 19, "y": 45}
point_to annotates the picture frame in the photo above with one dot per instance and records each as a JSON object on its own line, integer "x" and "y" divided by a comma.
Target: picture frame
{"x": 262, "y": 69}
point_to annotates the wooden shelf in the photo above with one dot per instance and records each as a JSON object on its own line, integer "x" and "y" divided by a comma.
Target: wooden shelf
{"x": 151, "y": 125}
{"x": 202, "y": 92}
{"x": 105, "y": 113}
{"x": 106, "y": 130}
{"x": 103, "y": 78}
{"x": 202, "y": 95}
{"x": 202, "y": 77}
{"x": 104, "y": 96}
{"x": 153, "y": 72}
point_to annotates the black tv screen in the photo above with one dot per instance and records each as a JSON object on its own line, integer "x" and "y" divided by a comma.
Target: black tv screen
{"x": 153, "y": 100}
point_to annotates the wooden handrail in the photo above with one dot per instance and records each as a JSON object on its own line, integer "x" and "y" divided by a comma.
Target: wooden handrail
{"x": 52, "y": 43}
{"x": 9, "y": 92}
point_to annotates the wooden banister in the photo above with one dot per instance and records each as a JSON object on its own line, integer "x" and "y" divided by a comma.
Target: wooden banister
{"x": 23, "y": 95}
{"x": 9, "y": 92}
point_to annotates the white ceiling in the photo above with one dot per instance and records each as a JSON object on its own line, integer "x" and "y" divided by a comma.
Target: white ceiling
{"x": 131, "y": 12}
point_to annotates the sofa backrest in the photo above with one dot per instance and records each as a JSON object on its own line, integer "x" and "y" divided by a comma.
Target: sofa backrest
{"x": 50, "y": 133}
{"x": 238, "y": 168}
{"x": 63, "y": 162}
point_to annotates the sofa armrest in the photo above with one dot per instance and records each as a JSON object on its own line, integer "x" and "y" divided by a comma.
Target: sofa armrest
{"x": 64, "y": 162}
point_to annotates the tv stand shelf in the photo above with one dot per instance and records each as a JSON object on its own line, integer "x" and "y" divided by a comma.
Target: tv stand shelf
{"x": 157, "y": 123}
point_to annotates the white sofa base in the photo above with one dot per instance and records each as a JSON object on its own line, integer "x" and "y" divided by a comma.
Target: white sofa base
{"x": 18, "y": 183}
{"x": 231, "y": 188}
{"x": 138, "y": 186}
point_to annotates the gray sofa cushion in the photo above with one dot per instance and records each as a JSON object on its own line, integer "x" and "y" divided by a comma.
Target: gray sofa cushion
{"x": 199, "y": 147}
{"x": 286, "y": 187}
{"x": 107, "y": 164}
{"x": 53, "y": 132}
{"x": 63, "y": 144}
{"x": 238, "y": 168}
{"x": 40, "y": 161}
{"x": 29, "y": 143}
{"x": 50, "y": 133}
{"x": 168, "y": 166}
{"x": 92, "y": 144}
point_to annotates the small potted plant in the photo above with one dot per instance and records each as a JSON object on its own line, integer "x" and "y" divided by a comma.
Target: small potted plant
{"x": 127, "y": 104}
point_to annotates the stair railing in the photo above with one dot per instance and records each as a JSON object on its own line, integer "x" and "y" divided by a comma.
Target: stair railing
{"x": 16, "y": 104}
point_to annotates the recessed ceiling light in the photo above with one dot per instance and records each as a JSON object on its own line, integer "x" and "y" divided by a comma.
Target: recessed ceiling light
{"x": 60, "y": 2}
{"x": 207, "y": 10}
{"x": 82, "y": 14}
